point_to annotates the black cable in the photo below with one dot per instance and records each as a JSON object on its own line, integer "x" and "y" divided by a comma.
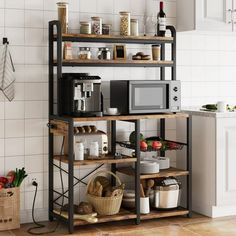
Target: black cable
{"x": 38, "y": 225}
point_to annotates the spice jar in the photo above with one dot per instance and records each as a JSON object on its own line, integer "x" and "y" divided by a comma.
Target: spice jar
{"x": 96, "y": 25}
{"x": 124, "y": 23}
{"x": 106, "y": 29}
{"x": 85, "y": 27}
{"x": 104, "y": 54}
{"x": 134, "y": 27}
{"x": 84, "y": 53}
{"x": 63, "y": 16}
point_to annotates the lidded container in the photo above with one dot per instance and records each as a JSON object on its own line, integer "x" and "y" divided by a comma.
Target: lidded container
{"x": 106, "y": 29}
{"x": 79, "y": 151}
{"x": 134, "y": 27}
{"x": 104, "y": 53}
{"x": 96, "y": 25}
{"x": 124, "y": 23}
{"x": 94, "y": 149}
{"x": 85, "y": 27}
{"x": 62, "y": 8}
{"x": 84, "y": 53}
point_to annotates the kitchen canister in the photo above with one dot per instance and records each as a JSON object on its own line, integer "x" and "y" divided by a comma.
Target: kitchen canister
{"x": 96, "y": 25}
{"x": 79, "y": 151}
{"x": 144, "y": 205}
{"x": 94, "y": 149}
{"x": 104, "y": 53}
{"x": 85, "y": 27}
{"x": 124, "y": 23}
{"x": 62, "y": 8}
{"x": 134, "y": 27}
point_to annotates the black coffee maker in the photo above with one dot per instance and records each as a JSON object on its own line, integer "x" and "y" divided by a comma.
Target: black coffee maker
{"x": 80, "y": 95}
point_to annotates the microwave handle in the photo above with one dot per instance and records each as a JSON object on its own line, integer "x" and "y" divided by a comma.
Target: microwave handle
{"x": 102, "y": 104}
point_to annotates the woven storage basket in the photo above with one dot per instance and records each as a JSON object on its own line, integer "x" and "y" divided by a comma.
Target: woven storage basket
{"x": 9, "y": 209}
{"x": 105, "y": 205}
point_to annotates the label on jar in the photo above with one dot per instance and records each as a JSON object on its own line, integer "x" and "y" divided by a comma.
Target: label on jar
{"x": 162, "y": 23}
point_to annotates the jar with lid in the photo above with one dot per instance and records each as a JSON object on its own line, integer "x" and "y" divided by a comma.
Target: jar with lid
{"x": 84, "y": 53}
{"x": 96, "y": 25}
{"x": 85, "y": 27}
{"x": 104, "y": 53}
{"x": 94, "y": 149}
{"x": 124, "y": 23}
{"x": 79, "y": 151}
{"x": 106, "y": 29}
{"x": 63, "y": 16}
{"x": 134, "y": 27}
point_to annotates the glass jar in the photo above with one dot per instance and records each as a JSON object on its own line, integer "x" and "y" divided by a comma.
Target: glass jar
{"x": 79, "y": 151}
{"x": 63, "y": 16}
{"x": 134, "y": 27}
{"x": 104, "y": 54}
{"x": 84, "y": 53}
{"x": 94, "y": 149}
{"x": 85, "y": 27}
{"x": 106, "y": 29}
{"x": 96, "y": 25}
{"x": 124, "y": 23}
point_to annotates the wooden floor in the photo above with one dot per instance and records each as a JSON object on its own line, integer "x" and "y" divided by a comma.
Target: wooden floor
{"x": 175, "y": 226}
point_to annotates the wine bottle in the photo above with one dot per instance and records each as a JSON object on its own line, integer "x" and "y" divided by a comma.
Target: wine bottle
{"x": 161, "y": 22}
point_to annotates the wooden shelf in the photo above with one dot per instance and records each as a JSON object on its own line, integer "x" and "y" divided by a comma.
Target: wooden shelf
{"x": 116, "y": 63}
{"x": 163, "y": 173}
{"x": 167, "y": 213}
{"x": 109, "y": 159}
{"x": 114, "y": 38}
{"x": 124, "y": 117}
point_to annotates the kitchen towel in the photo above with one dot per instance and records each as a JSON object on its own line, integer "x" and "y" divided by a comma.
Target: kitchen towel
{"x": 7, "y": 73}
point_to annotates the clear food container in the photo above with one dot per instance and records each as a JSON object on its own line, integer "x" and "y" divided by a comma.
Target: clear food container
{"x": 104, "y": 53}
{"x": 96, "y": 25}
{"x": 106, "y": 29}
{"x": 62, "y": 8}
{"x": 124, "y": 23}
{"x": 134, "y": 27}
{"x": 85, "y": 27}
{"x": 84, "y": 53}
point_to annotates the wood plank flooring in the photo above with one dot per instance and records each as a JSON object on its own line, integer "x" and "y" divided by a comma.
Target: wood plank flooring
{"x": 175, "y": 226}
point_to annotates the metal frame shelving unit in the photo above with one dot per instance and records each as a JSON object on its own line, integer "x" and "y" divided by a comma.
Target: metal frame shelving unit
{"x": 63, "y": 125}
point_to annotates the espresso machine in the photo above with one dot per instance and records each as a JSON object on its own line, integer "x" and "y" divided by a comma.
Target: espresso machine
{"x": 80, "y": 95}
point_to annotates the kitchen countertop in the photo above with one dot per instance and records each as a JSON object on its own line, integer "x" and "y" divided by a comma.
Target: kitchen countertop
{"x": 198, "y": 112}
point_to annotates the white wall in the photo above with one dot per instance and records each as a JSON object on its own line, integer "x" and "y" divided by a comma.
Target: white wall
{"x": 23, "y": 131}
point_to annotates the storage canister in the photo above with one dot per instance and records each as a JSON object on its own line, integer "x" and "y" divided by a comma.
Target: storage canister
{"x": 134, "y": 27}
{"x": 63, "y": 16}
{"x": 106, "y": 29}
{"x": 94, "y": 149}
{"x": 124, "y": 23}
{"x": 79, "y": 151}
{"x": 96, "y": 25}
{"x": 85, "y": 27}
{"x": 104, "y": 54}
{"x": 84, "y": 53}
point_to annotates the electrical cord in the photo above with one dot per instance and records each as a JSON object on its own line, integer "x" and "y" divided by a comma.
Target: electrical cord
{"x": 38, "y": 225}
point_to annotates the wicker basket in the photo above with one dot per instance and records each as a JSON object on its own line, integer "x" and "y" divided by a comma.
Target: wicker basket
{"x": 9, "y": 209}
{"x": 105, "y": 205}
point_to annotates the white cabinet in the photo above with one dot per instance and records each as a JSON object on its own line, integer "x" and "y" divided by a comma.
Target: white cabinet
{"x": 213, "y": 163}
{"x": 216, "y": 15}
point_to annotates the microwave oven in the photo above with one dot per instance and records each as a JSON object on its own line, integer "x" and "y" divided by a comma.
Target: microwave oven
{"x": 145, "y": 96}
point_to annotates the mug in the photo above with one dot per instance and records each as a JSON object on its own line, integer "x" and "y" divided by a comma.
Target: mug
{"x": 144, "y": 205}
{"x": 221, "y": 106}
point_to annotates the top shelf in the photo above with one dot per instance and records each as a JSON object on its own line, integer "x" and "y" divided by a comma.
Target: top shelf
{"x": 114, "y": 39}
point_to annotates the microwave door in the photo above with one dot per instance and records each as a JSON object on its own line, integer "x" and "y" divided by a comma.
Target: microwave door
{"x": 148, "y": 98}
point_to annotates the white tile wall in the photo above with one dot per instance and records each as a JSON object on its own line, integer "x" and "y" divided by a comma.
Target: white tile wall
{"x": 206, "y": 66}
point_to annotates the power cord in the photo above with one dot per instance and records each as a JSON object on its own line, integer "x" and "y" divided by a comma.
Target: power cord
{"x": 38, "y": 225}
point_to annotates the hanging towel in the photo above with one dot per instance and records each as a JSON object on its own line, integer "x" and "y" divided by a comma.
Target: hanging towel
{"x": 7, "y": 73}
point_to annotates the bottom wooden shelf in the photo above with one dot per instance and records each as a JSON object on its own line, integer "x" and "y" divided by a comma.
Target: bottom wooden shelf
{"x": 128, "y": 215}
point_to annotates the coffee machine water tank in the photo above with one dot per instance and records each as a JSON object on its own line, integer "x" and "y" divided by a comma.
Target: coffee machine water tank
{"x": 80, "y": 95}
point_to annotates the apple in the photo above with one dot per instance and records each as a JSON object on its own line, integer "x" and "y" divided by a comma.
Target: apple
{"x": 143, "y": 145}
{"x": 156, "y": 145}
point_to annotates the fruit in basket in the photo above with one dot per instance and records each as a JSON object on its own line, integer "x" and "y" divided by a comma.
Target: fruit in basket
{"x": 143, "y": 145}
{"x": 132, "y": 137}
{"x": 156, "y": 145}
{"x": 10, "y": 176}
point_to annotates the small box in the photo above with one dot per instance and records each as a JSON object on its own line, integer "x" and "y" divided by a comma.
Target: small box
{"x": 9, "y": 208}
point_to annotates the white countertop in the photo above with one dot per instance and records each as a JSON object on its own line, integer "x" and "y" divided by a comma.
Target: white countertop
{"x": 198, "y": 112}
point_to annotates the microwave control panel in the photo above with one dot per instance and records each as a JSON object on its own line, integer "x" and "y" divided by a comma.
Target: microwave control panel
{"x": 175, "y": 96}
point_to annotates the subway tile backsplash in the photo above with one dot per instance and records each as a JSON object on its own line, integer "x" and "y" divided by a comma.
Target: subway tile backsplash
{"x": 206, "y": 65}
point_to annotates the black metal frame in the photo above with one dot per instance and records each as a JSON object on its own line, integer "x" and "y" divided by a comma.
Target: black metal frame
{"x": 69, "y": 120}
